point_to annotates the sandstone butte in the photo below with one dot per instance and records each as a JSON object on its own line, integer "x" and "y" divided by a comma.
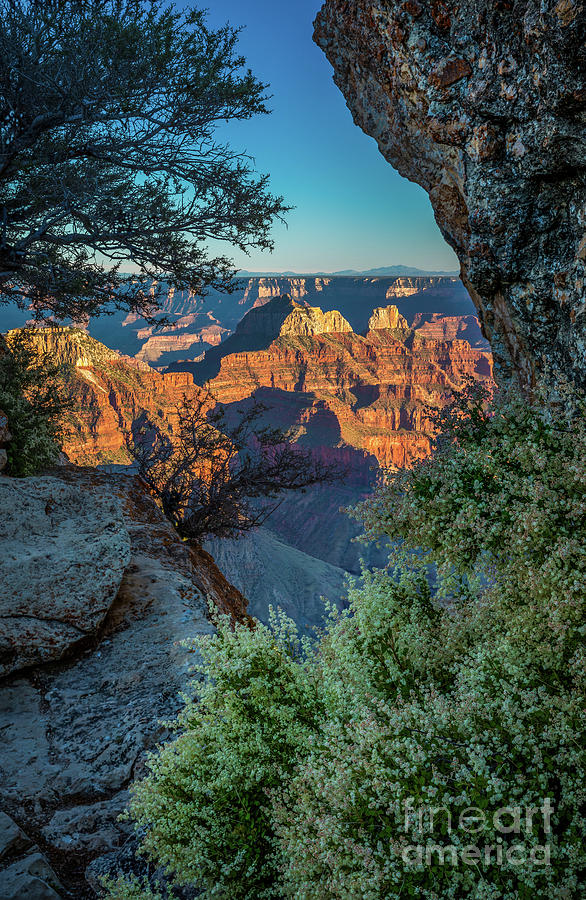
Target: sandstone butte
{"x": 370, "y": 392}
{"x": 482, "y": 103}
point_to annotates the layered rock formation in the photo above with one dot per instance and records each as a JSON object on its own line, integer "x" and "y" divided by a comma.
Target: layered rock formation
{"x": 115, "y": 397}
{"x": 75, "y": 733}
{"x": 371, "y": 393}
{"x": 449, "y": 328}
{"x": 483, "y": 104}
{"x": 310, "y": 320}
{"x": 367, "y": 393}
{"x": 386, "y": 317}
{"x": 194, "y": 324}
{"x": 166, "y": 346}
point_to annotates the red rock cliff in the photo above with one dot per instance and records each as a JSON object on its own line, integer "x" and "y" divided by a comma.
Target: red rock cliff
{"x": 114, "y": 396}
{"x": 342, "y": 389}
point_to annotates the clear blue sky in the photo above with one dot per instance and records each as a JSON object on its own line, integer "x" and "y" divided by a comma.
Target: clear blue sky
{"x": 353, "y": 211}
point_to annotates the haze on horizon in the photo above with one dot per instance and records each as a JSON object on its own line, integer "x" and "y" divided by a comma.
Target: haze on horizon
{"x": 352, "y": 210}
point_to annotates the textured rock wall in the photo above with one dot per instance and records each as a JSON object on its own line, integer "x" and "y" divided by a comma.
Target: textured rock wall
{"x": 368, "y": 392}
{"x": 76, "y": 732}
{"x": 483, "y": 104}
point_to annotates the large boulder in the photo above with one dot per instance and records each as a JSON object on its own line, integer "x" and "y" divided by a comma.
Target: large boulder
{"x": 62, "y": 557}
{"x": 483, "y": 104}
{"x": 77, "y": 732}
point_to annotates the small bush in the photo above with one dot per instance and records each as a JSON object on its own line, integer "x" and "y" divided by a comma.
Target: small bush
{"x": 131, "y": 888}
{"x": 32, "y": 397}
{"x": 206, "y": 802}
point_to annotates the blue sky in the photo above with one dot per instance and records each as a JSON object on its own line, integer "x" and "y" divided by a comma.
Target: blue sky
{"x": 353, "y": 211}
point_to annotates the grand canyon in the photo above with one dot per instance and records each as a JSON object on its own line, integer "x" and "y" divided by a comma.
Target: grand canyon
{"x": 356, "y": 379}
{"x": 238, "y": 710}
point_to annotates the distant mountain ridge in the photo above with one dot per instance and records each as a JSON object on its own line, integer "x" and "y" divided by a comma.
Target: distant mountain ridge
{"x": 381, "y": 271}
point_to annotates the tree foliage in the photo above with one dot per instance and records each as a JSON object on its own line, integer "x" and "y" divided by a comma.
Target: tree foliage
{"x": 108, "y": 153}
{"x": 219, "y": 477}
{"x": 33, "y": 397}
{"x": 464, "y": 695}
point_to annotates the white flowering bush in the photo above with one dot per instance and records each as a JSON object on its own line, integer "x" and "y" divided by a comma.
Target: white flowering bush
{"x": 432, "y": 745}
{"x": 205, "y": 804}
{"x": 132, "y": 888}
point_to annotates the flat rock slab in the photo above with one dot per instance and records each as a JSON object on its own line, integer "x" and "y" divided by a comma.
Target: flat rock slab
{"x": 63, "y": 552}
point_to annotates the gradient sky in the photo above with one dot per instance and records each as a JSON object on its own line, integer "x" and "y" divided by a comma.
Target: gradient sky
{"x": 353, "y": 211}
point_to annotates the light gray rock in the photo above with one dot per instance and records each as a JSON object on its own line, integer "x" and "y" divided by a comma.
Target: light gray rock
{"x": 62, "y": 556}
{"x": 94, "y": 827}
{"x": 13, "y": 840}
{"x": 75, "y": 734}
{"x": 31, "y": 878}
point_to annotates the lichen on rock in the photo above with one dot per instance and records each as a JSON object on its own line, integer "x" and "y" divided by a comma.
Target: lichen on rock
{"x": 483, "y": 104}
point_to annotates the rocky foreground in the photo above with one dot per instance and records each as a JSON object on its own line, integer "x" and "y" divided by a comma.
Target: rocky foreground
{"x": 99, "y": 594}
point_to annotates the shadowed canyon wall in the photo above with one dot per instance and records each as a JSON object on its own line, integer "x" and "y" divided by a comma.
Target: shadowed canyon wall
{"x": 483, "y": 104}
{"x": 338, "y": 389}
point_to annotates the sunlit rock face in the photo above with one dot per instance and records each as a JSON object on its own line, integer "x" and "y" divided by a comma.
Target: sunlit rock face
{"x": 114, "y": 397}
{"x": 386, "y": 317}
{"x": 311, "y": 320}
{"x": 483, "y": 104}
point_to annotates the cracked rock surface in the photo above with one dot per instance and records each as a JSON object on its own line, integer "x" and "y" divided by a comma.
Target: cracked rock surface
{"x": 62, "y": 557}
{"x": 483, "y": 103}
{"x": 76, "y": 732}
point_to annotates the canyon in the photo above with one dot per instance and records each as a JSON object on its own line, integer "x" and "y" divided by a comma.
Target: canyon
{"x": 359, "y": 400}
{"x": 125, "y": 592}
{"x": 372, "y": 393}
{"x": 195, "y": 324}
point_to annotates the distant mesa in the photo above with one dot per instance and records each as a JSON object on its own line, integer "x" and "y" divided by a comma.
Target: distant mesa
{"x": 386, "y": 317}
{"x": 284, "y": 315}
{"x": 71, "y": 346}
{"x": 311, "y": 320}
